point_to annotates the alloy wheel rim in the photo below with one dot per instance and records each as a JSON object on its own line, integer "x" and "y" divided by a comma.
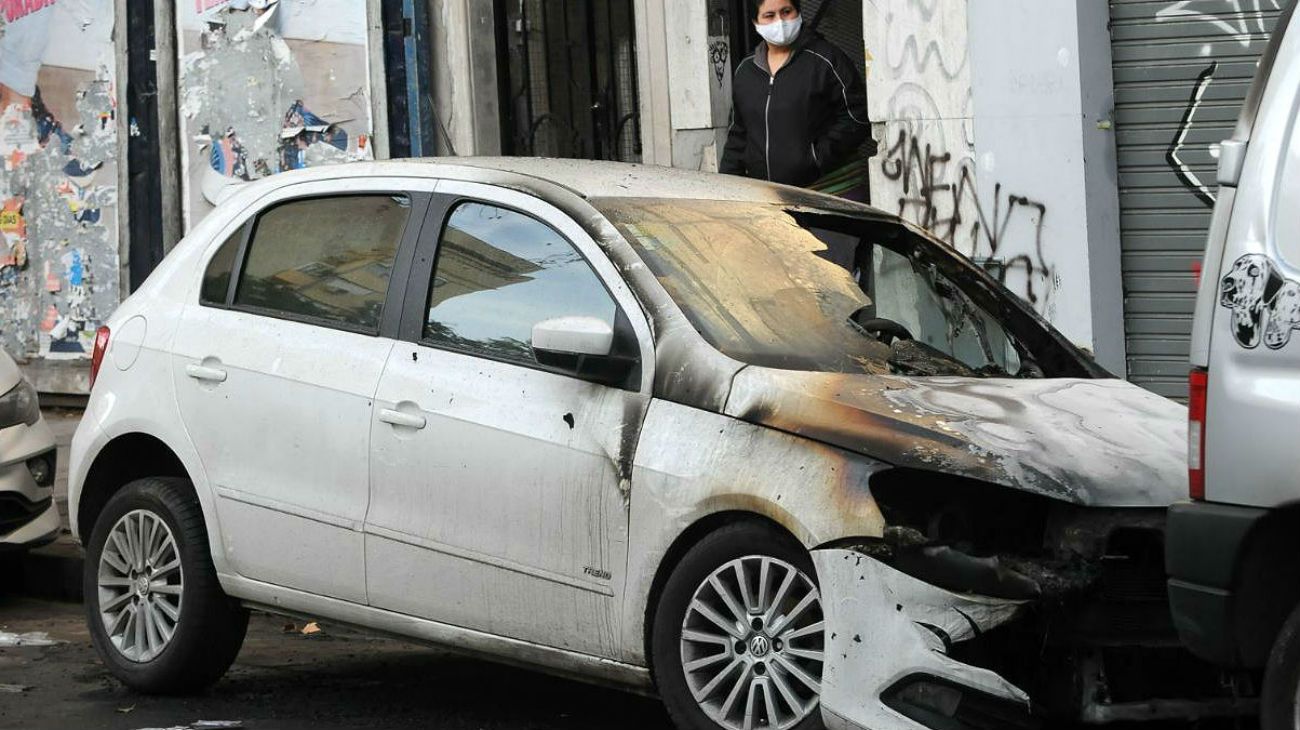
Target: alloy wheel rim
{"x": 752, "y": 644}
{"x": 140, "y": 583}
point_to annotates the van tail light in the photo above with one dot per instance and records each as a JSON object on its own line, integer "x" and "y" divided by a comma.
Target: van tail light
{"x": 1198, "y": 382}
{"x": 97, "y": 359}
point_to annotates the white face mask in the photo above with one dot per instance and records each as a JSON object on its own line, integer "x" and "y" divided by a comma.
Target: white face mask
{"x": 781, "y": 32}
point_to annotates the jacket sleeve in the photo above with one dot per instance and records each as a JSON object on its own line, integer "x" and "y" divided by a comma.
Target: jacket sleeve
{"x": 849, "y": 127}
{"x": 733, "y": 154}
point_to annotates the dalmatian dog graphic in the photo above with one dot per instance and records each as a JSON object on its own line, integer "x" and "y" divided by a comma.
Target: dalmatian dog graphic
{"x": 1265, "y": 306}
{"x": 1283, "y": 316}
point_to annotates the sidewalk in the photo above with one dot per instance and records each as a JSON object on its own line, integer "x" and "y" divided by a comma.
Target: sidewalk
{"x": 54, "y": 571}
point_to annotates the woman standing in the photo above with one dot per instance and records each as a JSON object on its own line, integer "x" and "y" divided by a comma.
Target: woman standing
{"x": 798, "y": 103}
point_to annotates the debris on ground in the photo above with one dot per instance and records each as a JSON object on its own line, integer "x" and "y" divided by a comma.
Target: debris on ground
{"x": 14, "y": 689}
{"x": 34, "y": 638}
{"x": 204, "y": 725}
{"x": 307, "y": 629}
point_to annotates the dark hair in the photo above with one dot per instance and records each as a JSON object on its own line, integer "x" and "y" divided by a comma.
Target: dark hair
{"x": 756, "y": 4}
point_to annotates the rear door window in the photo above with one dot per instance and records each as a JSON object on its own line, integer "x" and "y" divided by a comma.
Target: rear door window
{"x": 216, "y": 280}
{"x": 498, "y": 273}
{"x": 324, "y": 260}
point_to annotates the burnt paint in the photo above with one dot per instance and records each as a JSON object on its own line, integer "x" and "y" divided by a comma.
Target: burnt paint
{"x": 1088, "y": 442}
{"x": 856, "y": 412}
{"x": 890, "y": 419}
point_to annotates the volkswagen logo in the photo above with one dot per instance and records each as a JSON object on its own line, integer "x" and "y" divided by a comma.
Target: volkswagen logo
{"x": 759, "y": 646}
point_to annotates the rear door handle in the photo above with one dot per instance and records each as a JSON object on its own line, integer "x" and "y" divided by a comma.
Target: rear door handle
{"x": 397, "y": 418}
{"x": 201, "y": 372}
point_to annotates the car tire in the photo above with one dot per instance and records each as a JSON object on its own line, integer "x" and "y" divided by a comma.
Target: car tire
{"x": 160, "y": 623}
{"x": 1280, "y": 703}
{"x": 680, "y": 622}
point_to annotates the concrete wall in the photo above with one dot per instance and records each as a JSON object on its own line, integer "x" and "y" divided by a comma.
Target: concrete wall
{"x": 685, "y": 81}
{"x": 464, "y": 62}
{"x": 1001, "y": 148}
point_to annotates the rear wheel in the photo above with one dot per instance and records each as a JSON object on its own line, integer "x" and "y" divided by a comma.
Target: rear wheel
{"x": 157, "y": 614}
{"x": 1280, "y": 705}
{"x": 738, "y": 635}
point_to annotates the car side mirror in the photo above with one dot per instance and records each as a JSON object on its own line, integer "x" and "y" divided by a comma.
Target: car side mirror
{"x": 584, "y": 346}
{"x": 581, "y": 336}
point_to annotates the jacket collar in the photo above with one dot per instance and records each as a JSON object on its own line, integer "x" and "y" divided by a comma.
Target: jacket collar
{"x": 806, "y": 36}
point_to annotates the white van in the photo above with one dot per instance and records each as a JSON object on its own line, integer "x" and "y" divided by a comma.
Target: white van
{"x": 1234, "y": 576}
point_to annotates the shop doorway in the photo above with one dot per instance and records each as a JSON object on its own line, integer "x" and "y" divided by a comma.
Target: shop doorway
{"x": 570, "y": 83}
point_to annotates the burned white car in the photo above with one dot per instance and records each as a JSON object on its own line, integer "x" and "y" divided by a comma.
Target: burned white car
{"x": 782, "y": 459}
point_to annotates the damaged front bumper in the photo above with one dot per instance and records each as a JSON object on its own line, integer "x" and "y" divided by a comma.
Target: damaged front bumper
{"x": 1090, "y": 647}
{"x": 888, "y": 637}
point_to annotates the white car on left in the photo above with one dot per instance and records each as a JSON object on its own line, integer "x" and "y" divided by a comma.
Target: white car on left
{"x": 28, "y": 515}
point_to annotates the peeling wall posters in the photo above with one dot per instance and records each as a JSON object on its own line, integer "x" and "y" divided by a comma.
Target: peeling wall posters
{"x": 268, "y": 86}
{"x": 58, "y": 194}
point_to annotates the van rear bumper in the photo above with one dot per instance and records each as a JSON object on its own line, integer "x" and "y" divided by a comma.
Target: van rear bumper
{"x": 1205, "y": 547}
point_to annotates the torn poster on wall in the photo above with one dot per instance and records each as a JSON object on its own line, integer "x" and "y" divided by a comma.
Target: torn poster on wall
{"x": 58, "y": 196}
{"x": 268, "y": 86}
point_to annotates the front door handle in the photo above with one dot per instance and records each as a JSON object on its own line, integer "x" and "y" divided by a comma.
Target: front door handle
{"x": 397, "y": 418}
{"x": 202, "y": 372}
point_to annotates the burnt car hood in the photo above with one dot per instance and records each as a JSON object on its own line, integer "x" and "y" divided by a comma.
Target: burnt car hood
{"x": 1089, "y": 442}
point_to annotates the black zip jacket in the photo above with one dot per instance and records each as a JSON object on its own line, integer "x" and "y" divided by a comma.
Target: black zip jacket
{"x": 803, "y": 122}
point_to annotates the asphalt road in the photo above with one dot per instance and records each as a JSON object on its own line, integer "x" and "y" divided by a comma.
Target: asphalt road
{"x": 285, "y": 680}
{"x": 290, "y": 681}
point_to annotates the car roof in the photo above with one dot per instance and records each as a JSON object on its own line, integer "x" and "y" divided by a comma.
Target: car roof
{"x": 587, "y": 179}
{"x": 601, "y": 179}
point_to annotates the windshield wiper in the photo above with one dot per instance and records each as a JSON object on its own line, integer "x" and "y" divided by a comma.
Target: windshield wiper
{"x": 917, "y": 358}
{"x": 879, "y": 328}
{"x": 1029, "y": 369}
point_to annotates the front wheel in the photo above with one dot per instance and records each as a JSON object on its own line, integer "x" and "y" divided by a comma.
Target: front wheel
{"x": 157, "y": 615}
{"x": 1280, "y": 704}
{"x": 738, "y": 635}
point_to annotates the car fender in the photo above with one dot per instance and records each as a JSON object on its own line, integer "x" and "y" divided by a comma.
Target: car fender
{"x": 693, "y": 464}
{"x": 92, "y": 439}
{"x": 137, "y": 396}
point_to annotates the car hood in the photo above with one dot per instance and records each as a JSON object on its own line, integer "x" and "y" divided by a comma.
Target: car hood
{"x": 9, "y": 373}
{"x": 1089, "y": 442}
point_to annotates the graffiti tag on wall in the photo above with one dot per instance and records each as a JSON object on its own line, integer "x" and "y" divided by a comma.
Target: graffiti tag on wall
{"x": 1240, "y": 23}
{"x": 939, "y": 195}
{"x": 927, "y": 171}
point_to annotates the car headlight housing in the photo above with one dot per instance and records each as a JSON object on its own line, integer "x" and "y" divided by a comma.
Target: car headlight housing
{"x": 19, "y": 405}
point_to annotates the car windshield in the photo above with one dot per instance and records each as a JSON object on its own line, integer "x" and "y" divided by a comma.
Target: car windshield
{"x": 806, "y": 289}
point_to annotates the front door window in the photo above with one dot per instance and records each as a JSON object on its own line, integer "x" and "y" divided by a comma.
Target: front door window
{"x": 499, "y": 272}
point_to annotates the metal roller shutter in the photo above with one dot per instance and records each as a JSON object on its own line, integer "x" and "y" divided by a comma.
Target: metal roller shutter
{"x": 1181, "y": 70}
{"x": 841, "y": 23}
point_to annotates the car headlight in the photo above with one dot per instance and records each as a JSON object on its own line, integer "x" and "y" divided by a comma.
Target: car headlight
{"x": 19, "y": 405}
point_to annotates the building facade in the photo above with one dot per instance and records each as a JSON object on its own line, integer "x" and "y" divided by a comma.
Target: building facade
{"x": 1066, "y": 145}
